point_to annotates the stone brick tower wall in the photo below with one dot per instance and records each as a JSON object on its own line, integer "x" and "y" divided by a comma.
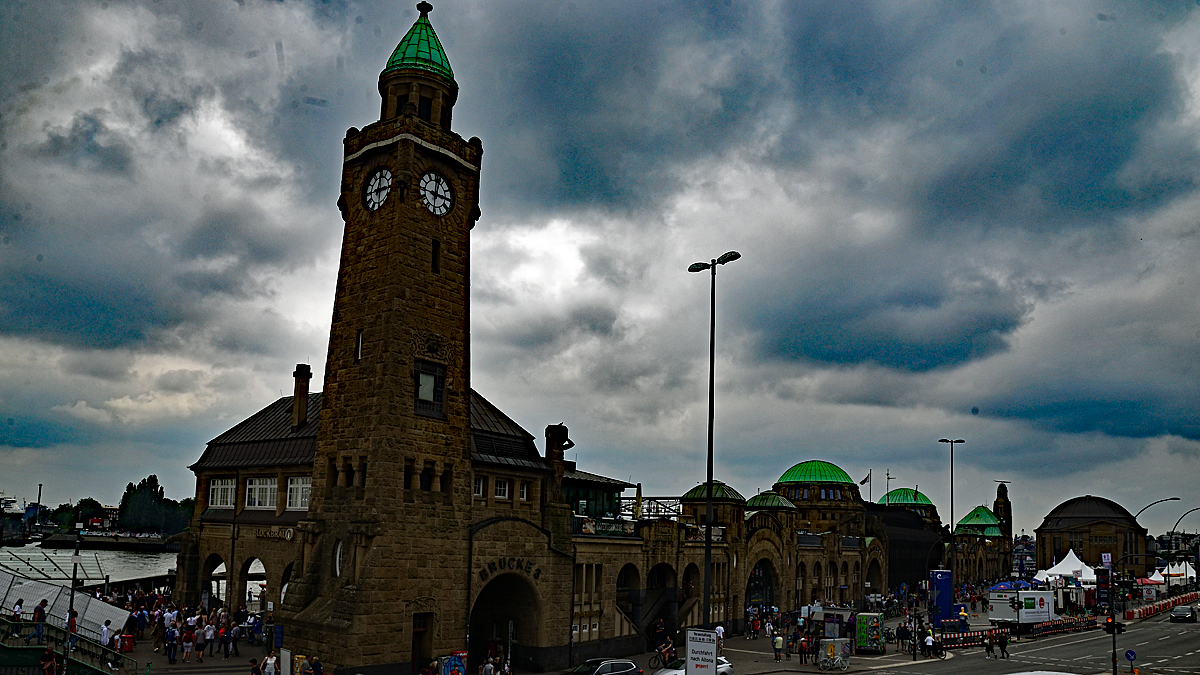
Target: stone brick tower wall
{"x": 389, "y": 512}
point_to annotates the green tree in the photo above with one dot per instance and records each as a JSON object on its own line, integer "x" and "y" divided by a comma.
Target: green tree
{"x": 146, "y": 508}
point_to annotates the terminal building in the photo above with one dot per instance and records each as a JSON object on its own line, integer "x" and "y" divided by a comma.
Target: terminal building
{"x": 400, "y": 516}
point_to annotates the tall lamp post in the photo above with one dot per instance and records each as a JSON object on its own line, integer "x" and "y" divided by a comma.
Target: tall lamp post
{"x": 1157, "y": 501}
{"x": 953, "y": 550}
{"x": 1175, "y": 528}
{"x": 712, "y": 342}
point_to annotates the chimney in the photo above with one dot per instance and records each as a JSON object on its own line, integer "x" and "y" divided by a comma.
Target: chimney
{"x": 300, "y": 398}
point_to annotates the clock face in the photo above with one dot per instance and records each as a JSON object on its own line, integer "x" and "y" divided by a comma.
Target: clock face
{"x": 377, "y": 189}
{"x": 436, "y": 194}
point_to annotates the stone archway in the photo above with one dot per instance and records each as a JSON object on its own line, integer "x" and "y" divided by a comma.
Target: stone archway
{"x": 284, "y": 580}
{"x": 214, "y": 575}
{"x": 817, "y": 594}
{"x": 631, "y": 597}
{"x": 875, "y": 576}
{"x": 507, "y": 603}
{"x": 761, "y": 584}
{"x": 693, "y": 582}
{"x": 250, "y": 589}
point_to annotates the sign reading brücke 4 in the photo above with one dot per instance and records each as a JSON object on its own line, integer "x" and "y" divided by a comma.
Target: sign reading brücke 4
{"x": 514, "y": 564}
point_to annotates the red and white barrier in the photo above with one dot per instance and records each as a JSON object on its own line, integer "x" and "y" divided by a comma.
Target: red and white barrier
{"x": 1161, "y": 606}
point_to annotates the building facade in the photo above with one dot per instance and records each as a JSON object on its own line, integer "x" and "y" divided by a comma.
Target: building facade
{"x": 1092, "y": 527}
{"x": 400, "y": 516}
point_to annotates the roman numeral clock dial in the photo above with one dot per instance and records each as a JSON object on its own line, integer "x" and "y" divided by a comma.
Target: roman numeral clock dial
{"x": 378, "y": 187}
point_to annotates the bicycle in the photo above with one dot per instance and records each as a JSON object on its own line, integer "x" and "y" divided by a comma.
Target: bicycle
{"x": 829, "y": 663}
{"x": 889, "y": 635}
{"x": 660, "y": 659}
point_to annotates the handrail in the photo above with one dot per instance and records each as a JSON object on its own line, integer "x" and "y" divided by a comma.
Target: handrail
{"x": 87, "y": 651}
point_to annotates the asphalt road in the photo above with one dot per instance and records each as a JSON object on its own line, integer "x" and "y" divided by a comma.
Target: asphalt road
{"x": 1162, "y": 648}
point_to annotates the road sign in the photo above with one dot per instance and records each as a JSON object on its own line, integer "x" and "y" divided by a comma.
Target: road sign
{"x": 1130, "y": 655}
{"x": 701, "y": 652}
{"x": 1106, "y": 558}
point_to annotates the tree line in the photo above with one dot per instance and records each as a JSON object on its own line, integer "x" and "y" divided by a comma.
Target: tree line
{"x": 144, "y": 507}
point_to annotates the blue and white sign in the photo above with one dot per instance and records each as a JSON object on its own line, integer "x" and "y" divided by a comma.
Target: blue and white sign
{"x": 1130, "y": 655}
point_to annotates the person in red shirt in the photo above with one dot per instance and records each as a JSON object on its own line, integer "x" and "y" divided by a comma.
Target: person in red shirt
{"x": 189, "y": 639}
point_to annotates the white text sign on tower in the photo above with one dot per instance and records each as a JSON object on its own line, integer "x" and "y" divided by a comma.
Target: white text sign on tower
{"x": 701, "y": 652}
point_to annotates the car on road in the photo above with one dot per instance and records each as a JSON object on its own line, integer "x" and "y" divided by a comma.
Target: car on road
{"x": 678, "y": 666}
{"x": 1183, "y": 613}
{"x": 606, "y": 667}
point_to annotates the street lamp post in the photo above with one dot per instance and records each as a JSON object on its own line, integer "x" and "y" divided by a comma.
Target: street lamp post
{"x": 1175, "y": 528}
{"x": 712, "y": 341}
{"x": 953, "y": 550}
{"x": 1164, "y": 499}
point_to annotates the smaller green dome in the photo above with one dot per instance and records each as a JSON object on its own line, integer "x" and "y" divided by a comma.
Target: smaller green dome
{"x": 421, "y": 48}
{"x": 905, "y": 496}
{"x": 980, "y": 515}
{"x": 769, "y": 500}
{"x": 815, "y": 471}
{"x": 720, "y": 492}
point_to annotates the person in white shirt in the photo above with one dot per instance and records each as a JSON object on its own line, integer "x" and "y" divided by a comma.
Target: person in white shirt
{"x": 720, "y": 630}
{"x": 18, "y": 610}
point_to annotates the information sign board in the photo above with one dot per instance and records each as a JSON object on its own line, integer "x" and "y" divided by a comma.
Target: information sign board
{"x": 701, "y": 652}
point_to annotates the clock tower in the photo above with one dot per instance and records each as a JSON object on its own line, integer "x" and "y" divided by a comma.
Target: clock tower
{"x": 379, "y": 582}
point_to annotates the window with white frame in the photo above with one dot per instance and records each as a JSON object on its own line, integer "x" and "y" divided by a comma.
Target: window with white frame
{"x": 524, "y": 490}
{"x": 260, "y": 493}
{"x": 297, "y": 494}
{"x": 480, "y": 486}
{"x": 221, "y": 493}
{"x": 501, "y": 488}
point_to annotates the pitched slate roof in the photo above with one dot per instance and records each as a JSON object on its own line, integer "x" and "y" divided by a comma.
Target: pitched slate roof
{"x": 573, "y": 474}
{"x": 266, "y": 438}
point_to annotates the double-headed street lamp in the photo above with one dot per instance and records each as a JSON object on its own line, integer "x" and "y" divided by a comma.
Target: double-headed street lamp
{"x": 712, "y": 341}
{"x": 953, "y": 551}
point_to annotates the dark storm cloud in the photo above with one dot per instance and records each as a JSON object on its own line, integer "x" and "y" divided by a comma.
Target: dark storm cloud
{"x": 88, "y": 144}
{"x": 115, "y": 366}
{"x": 557, "y": 331}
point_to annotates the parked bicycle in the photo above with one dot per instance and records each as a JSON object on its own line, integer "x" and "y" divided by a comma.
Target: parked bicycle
{"x": 889, "y": 635}
{"x": 830, "y": 662}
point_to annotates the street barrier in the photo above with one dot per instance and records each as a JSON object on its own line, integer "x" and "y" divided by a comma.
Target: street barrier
{"x": 973, "y": 638}
{"x": 1161, "y": 606}
{"x": 1062, "y": 626}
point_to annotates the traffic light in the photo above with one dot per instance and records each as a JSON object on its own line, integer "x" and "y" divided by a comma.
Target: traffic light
{"x": 1120, "y": 627}
{"x": 1015, "y": 603}
{"x": 1109, "y": 625}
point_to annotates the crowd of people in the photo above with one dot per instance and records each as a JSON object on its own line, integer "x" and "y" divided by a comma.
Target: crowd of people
{"x": 179, "y": 633}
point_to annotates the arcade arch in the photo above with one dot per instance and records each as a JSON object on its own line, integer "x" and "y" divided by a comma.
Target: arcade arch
{"x": 213, "y": 577}
{"x": 508, "y": 600}
{"x": 251, "y": 585}
{"x": 761, "y": 584}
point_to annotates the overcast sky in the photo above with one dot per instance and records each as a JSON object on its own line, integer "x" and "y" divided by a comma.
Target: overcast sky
{"x": 975, "y": 220}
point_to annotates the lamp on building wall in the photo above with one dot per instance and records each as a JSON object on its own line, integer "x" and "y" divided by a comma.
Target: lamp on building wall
{"x": 712, "y": 341}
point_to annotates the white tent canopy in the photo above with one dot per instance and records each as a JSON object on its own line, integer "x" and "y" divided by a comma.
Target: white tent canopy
{"x": 1069, "y": 566}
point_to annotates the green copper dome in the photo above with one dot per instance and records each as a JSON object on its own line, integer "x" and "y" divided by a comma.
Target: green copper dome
{"x": 815, "y": 471}
{"x": 720, "y": 491}
{"x": 905, "y": 496}
{"x": 980, "y": 521}
{"x": 769, "y": 500}
{"x": 421, "y": 48}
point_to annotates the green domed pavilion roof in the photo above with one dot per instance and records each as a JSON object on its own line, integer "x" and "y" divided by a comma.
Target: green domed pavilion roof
{"x": 980, "y": 521}
{"x": 769, "y": 500}
{"x": 815, "y": 471}
{"x": 421, "y": 48}
{"x": 980, "y": 515}
{"x": 720, "y": 491}
{"x": 905, "y": 496}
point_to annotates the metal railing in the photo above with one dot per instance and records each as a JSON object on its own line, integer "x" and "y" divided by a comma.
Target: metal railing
{"x": 85, "y": 650}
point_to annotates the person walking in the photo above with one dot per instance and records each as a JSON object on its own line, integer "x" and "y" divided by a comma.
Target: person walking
{"x": 254, "y": 669}
{"x": 39, "y": 623}
{"x": 224, "y": 638}
{"x": 72, "y": 630}
{"x": 268, "y": 664}
{"x": 171, "y": 649}
{"x": 201, "y": 639}
{"x": 989, "y": 646}
{"x": 777, "y": 643}
{"x": 1003, "y": 645}
{"x": 18, "y": 611}
{"x": 189, "y": 641}
{"x": 210, "y": 636}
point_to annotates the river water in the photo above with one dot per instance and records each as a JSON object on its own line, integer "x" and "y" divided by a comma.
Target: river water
{"x": 118, "y": 565}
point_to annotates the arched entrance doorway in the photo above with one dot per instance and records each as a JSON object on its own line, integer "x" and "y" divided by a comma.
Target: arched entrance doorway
{"x": 284, "y": 580}
{"x": 212, "y": 581}
{"x": 817, "y": 584}
{"x": 760, "y": 587}
{"x": 251, "y": 586}
{"x": 875, "y": 576}
{"x": 630, "y": 597}
{"x": 505, "y": 619}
